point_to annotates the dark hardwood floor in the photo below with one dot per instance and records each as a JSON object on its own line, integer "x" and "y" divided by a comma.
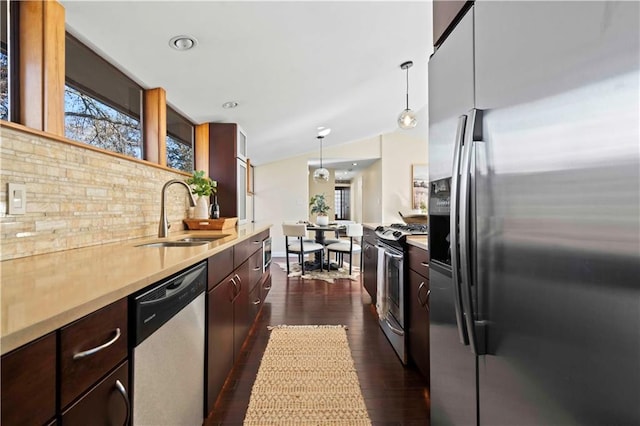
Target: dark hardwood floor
{"x": 394, "y": 394}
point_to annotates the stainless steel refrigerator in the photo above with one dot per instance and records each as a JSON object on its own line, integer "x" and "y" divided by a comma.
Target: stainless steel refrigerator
{"x": 534, "y": 158}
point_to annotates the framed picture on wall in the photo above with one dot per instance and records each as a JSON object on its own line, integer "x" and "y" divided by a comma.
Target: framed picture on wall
{"x": 419, "y": 187}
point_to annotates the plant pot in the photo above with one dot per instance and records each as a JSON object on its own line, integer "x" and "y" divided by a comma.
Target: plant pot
{"x": 202, "y": 208}
{"x": 322, "y": 220}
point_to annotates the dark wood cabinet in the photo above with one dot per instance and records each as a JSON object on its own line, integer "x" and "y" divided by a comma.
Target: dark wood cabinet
{"x": 219, "y": 266}
{"x": 370, "y": 263}
{"x": 232, "y": 305}
{"x": 255, "y": 269}
{"x": 245, "y": 249}
{"x": 227, "y": 166}
{"x": 219, "y": 338}
{"x": 228, "y": 323}
{"x": 90, "y": 347}
{"x": 106, "y": 404}
{"x": 71, "y": 371}
{"x": 242, "y": 319}
{"x": 418, "y": 298}
{"x": 446, "y": 14}
{"x": 255, "y": 302}
{"x": 29, "y": 383}
{"x": 265, "y": 286}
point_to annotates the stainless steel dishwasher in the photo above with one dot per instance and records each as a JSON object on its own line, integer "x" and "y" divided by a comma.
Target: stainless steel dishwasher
{"x": 168, "y": 353}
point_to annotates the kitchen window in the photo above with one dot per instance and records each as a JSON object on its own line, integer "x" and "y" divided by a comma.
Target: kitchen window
{"x": 4, "y": 82}
{"x": 180, "y": 133}
{"x": 7, "y": 11}
{"x": 102, "y": 105}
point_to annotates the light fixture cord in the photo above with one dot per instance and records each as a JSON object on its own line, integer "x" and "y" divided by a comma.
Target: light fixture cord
{"x": 407, "y": 87}
{"x": 321, "y": 139}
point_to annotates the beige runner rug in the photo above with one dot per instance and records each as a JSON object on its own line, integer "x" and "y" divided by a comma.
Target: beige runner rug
{"x": 307, "y": 377}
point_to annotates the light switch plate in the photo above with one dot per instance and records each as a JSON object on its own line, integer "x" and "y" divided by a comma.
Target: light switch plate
{"x": 17, "y": 195}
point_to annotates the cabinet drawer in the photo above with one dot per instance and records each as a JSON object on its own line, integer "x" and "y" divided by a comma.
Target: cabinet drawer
{"x": 256, "y": 241}
{"x": 241, "y": 253}
{"x": 244, "y": 249}
{"x": 29, "y": 383}
{"x": 219, "y": 266}
{"x": 255, "y": 303}
{"x": 255, "y": 268}
{"x": 90, "y": 347}
{"x": 265, "y": 286}
{"x": 105, "y": 404}
{"x": 419, "y": 260}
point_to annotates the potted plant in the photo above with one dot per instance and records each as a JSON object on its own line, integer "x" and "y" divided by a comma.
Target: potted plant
{"x": 320, "y": 207}
{"x": 203, "y": 187}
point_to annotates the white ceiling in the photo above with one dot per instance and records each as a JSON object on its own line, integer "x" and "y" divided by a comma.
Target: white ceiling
{"x": 292, "y": 66}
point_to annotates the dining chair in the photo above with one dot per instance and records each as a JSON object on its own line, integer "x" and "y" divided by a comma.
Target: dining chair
{"x": 341, "y": 226}
{"x": 329, "y": 241}
{"x": 301, "y": 246}
{"x": 354, "y": 232}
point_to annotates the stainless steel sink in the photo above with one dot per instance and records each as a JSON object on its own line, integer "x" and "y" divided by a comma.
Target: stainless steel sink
{"x": 203, "y": 239}
{"x": 174, "y": 244}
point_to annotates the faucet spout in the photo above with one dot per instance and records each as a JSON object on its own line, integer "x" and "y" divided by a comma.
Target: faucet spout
{"x": 163, "y": 227}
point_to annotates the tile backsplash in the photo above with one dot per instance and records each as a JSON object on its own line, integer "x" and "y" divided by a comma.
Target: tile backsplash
{"x": 77, "y": 197}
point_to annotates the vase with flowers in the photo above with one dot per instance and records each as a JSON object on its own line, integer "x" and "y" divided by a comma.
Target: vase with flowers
{"x": 319, "y": 206}
{"x": 203, "y": 187}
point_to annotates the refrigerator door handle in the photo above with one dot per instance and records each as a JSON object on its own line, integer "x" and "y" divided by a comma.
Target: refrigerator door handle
{"x": 477, "y": 346}
{"x": 453, "y": 232}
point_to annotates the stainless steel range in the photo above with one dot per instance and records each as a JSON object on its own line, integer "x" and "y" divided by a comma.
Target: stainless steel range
{"x": 392, "y": 247}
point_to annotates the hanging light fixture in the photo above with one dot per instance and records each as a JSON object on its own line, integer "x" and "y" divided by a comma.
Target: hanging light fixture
{"x": 321, "y": 175}
{"x": 407, "y": 118}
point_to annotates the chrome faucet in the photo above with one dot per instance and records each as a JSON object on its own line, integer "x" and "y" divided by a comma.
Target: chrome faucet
{"x": 163, "y": 228}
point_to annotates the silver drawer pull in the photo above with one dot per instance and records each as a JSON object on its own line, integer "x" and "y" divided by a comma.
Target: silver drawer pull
{"x": 426, "y": 303}
{"x": 267, "y": 287}
{"x": 257, "y": 302}
{"x": 257, "y": 268}
{"x": 125, "y": 396}
{"x": 418, "y": 294}
{"x": 98, "y": 348}
{"x": 236, "y": 276}
{"x": 425, "y": 264}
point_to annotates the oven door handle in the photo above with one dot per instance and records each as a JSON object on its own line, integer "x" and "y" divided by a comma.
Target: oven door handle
{"x": 394, "y": 256}
{"x": 394, "y": 329}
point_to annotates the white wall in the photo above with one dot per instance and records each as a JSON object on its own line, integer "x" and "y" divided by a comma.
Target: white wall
{"x": 400, "y": 150}
{"x": 281, "y": 194}
{"x": 325, "y": 188}
{"x": 282, "y": 187}
{"x": 372, "y": 193}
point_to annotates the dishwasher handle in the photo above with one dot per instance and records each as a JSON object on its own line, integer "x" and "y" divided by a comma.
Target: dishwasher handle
{"x": 174, "y": 289}
{"x": 156, "y": 305}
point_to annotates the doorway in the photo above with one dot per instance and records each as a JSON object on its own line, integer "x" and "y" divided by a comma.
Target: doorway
{"x": 343, "y": 202}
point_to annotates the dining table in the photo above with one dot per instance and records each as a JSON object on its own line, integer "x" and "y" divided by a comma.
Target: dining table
{"x": 320, "y": 239}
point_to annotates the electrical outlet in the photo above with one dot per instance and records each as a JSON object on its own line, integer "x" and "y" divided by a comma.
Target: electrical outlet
{"x": 17, "y": 195}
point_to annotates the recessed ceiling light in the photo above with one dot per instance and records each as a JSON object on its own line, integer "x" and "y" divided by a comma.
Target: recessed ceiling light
{"x": 229, "y": 105}
{"x": 355, "y": 164}
{"x": 183, "y": 42}
{"x": 323, "y": 131}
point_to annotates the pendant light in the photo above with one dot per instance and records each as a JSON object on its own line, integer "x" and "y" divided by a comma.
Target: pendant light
{"x": 321, "y": 175}
{"x": 407, "y": 118}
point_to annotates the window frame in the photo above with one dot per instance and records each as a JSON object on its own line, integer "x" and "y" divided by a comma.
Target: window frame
{"x": 172, "y": 131}
{"x": 105, "y": 78}
{"x": 11, "y": 48}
